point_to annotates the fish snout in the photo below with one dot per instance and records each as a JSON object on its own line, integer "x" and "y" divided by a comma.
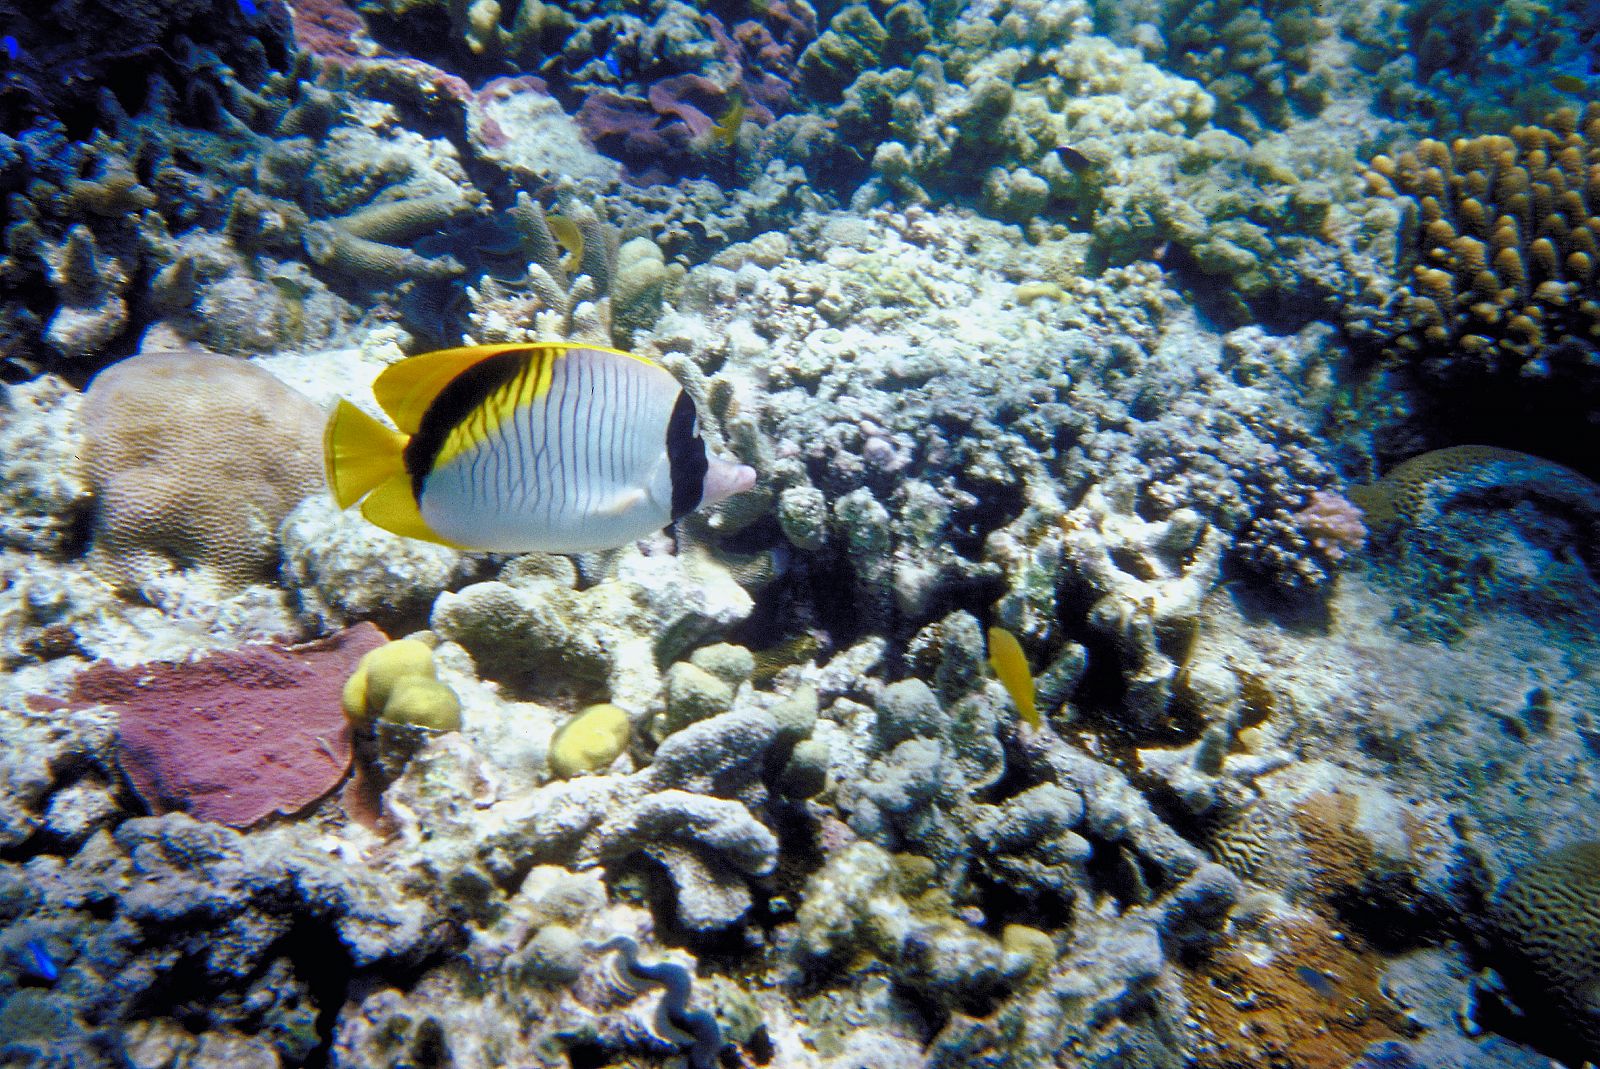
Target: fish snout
{"x": 724, "y": 479}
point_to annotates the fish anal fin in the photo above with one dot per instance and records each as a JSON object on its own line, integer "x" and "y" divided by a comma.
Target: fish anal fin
{"x": 393, "y": 507}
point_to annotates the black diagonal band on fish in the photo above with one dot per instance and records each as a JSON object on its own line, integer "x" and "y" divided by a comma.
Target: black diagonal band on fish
{"x": 512, "y": 448}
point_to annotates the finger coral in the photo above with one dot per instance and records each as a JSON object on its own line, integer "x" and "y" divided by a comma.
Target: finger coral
{"x": 194, "y": 460}
{"x": 1506, "y": 248}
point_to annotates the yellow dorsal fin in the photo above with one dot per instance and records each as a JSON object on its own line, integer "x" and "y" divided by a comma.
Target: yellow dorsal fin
{"x": 405, "y": 390}
{"x": 566, "y": 231}
{"x": 1011, "y": 668}
{"x": 359, "y": 453}
{"x": 393, "y": 507}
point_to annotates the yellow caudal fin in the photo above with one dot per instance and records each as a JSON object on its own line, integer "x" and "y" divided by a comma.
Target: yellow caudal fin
{"x": 1011, "y": 667}
{"x": 359, "y": 454}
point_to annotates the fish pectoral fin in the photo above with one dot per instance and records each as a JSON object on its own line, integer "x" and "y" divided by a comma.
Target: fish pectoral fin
{"x": 621, "y": 503}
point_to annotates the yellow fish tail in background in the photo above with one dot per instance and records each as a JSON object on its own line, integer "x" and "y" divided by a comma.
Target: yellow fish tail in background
{"x": 1011, "y": 668}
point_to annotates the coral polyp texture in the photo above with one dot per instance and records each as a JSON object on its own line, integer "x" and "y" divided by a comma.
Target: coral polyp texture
{"x": 1508, "y": 232}
{"x": 1503, "y": 298}
{"x": 1543, "y": 919}
{"x": 194, "y": 460}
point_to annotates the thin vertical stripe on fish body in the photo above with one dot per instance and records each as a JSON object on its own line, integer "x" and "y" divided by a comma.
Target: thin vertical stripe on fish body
{"x": 558, "y": 448}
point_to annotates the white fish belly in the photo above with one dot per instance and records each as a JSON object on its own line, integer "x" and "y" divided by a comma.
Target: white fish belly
{"x": 582, "y": 468}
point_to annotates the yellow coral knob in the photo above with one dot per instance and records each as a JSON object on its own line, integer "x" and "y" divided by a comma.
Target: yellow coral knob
{"x": 589, "y": 742}
{"x": 423, "y": 702}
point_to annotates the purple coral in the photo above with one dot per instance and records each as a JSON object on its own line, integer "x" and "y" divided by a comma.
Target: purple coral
{"x": 1332, "y": 524}
{"x": 239, "y": 735}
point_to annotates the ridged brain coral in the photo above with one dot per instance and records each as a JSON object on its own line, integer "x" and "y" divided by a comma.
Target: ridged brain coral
{"x": 195, "y": 459}
{"x": 1418, "y": 491}
{"x": 1546, "y": 921}
{"x": 1508, "y": 246}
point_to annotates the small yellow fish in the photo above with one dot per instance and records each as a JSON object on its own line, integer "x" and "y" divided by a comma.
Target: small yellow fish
{"x": 566, "y": 231}
{"x": 726, "y": 129}
{"x": 1011, "y": 668}
{"x": 1569, "y": 83}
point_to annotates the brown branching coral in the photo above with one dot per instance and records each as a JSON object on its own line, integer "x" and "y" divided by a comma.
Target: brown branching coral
{"x": 1507, "y": 276}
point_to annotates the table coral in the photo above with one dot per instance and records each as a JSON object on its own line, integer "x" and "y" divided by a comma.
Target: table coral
{"x": 234, "y": 737}
{"x": 194, "y": 460}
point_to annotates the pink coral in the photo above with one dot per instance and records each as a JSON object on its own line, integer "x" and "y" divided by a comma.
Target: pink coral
{"x": 238, "y": 735}
{"x": 329, "y": 28}
{"x": 1332, "y": 523}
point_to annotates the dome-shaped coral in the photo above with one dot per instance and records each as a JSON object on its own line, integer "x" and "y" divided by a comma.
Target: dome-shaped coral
{"x": 1546, "y": 923}
{"x": 195, "y": 459}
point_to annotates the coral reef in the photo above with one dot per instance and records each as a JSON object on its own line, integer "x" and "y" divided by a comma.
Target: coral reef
{"x": 1505, "y": 291}
{"x": 194, "y": 460}
{"x": 1051, "y": 319}
{"x": 689, "y": 812}
{"x": 1475, "y": 527}
{"x": 181, "y": 940}
{"x": 1542, "y": 918}
{"x": 534, "y": 620}
{"x": 1256, "y": 59}
{"x": 235, "y": 737}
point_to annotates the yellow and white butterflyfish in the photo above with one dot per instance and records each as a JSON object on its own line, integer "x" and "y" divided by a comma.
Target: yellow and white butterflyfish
{"x": 513, "y": 448}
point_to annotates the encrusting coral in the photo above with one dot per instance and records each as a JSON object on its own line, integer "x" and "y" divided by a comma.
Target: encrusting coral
{"x": 237, "y": 736}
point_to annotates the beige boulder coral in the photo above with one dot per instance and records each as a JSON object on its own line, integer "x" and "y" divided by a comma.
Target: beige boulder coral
{"x": 194, "y": 460}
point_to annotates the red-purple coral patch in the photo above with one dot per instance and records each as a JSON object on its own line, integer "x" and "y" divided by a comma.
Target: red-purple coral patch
{"x": 238, "y": 735}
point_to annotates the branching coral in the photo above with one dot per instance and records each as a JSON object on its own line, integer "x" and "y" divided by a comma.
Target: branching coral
{"x": 1254, "y": 57}
{"x": 1508, "y": 244}
{"x": 595, "y": 291}
{"x": 360, "y": 244}
{"x": 1503, "y": 295}
{"x": 1146, "y": 582}
{"x": 692, "y": 811}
